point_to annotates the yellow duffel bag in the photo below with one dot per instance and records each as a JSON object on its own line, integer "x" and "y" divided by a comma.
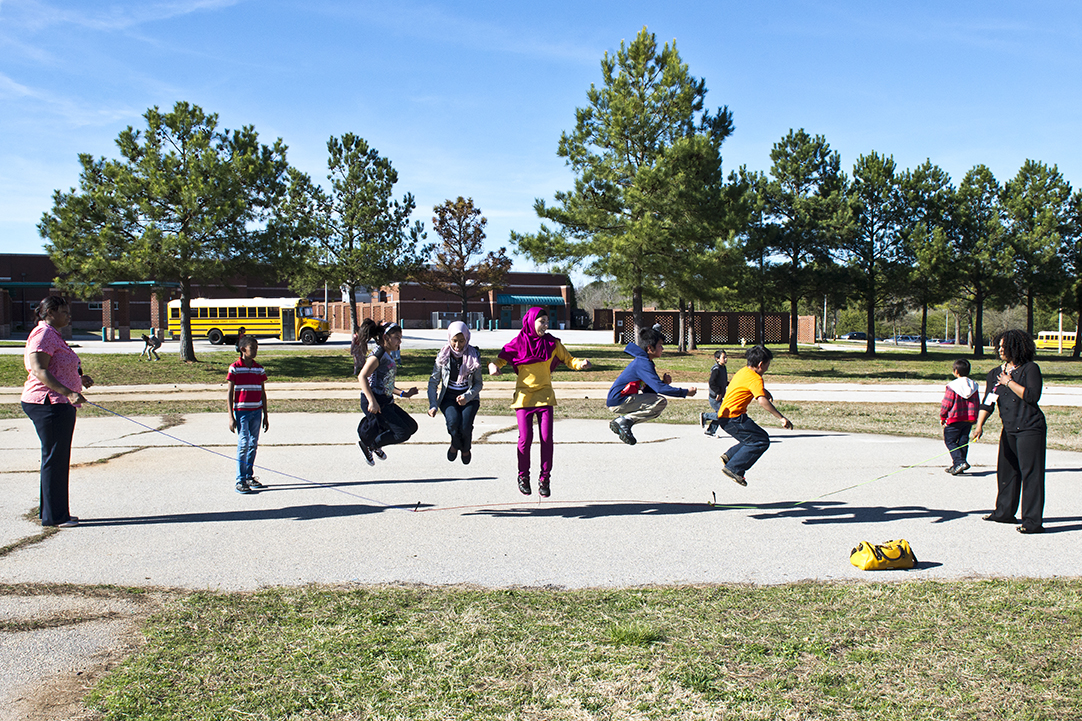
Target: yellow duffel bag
{"x": 881, "y": 556}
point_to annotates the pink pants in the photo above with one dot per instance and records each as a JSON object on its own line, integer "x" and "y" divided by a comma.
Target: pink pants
{"x": 525, "y": 418}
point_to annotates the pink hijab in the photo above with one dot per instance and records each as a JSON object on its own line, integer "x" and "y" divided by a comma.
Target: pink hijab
{"x": 469, "y": 357}
{"x": 528, "y": 347}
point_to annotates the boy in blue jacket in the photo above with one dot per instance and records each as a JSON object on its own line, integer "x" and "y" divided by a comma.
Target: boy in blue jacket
{"x": 637, "y": 393}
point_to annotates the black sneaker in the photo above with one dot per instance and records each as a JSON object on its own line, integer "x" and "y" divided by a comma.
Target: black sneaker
{"x": 704, "y": 423}
{"x": 543, "y": 487}
{"x": 467, "y": 456}
{"x": 524, "y": 484}
{"x": 253, "y": 482}
{"x": 367, "y": 453}
{"x": 378, "y": 453}
{"x": 735, "y": 477}
{"x": 452, "y": 454}
{"x": 623, "y": 431}
{"x": 243, "y": 487}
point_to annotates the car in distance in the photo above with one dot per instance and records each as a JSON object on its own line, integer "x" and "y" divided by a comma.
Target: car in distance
{"x": 856, "y": 335}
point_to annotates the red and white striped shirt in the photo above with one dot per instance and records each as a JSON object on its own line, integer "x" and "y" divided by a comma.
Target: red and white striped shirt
{"x": 247, "y": 385}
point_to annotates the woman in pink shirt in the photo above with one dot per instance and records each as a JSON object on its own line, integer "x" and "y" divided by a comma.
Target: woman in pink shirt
{"x": 52, "y": 392}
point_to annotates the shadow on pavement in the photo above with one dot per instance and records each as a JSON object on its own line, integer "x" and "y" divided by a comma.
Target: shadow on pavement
{"x": 290, "y": 513}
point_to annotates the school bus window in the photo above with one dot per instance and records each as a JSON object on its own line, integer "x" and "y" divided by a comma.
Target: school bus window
{"x": 174, "y": 312}
{"x": 262, "y": 312}
{"x": 233, "y": 312}
{"x": 213, "y": 312}
{"x": 273, "y": 312}
{"x": 222, "y": 313}
{"x": 203, "y": 312}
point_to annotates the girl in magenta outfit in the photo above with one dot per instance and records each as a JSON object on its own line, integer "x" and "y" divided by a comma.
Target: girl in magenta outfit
{"x": 534, "y": 354}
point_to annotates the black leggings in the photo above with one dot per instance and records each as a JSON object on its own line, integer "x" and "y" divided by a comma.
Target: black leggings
{"x": 391, "y": 425}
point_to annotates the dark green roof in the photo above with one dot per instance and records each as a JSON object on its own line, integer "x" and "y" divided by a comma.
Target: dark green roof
{"x": 541, "y": 300}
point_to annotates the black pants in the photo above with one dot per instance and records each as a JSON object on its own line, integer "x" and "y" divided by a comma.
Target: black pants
{"x": 55, "y": 424}
{"x": 1020, "y": 472}
{"x": 391, "y": 425}
{"x": 459, "y": 420}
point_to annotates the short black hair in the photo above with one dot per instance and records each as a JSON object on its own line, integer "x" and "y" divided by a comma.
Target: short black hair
{"x": 961, "y": 367}
{"x": 245, "y": 341}
{"x": 756, "y": 355}
{"x": 1018, "y": 346}
{"x": 717, "y": 353}
{"x": 648, "y": 338}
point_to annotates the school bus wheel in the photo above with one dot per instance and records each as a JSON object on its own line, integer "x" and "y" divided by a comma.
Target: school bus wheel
{"x": 215, "y": 336}
{"x": 308, "y": 336}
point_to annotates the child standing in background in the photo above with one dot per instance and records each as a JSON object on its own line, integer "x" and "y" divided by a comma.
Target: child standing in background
{"x": 719, "y": 381}
{"x": 384, "y": 422}
{"x": 247, "y": 409}
{"x": 454, "y": 388}
{"x": 957, "y": 414}
{"x": 534, "y": 354}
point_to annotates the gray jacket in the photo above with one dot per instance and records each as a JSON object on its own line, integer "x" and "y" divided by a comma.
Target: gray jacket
{"x": 441, "y": 377}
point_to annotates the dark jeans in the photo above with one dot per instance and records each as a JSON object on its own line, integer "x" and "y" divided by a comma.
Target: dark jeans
{"x": 752, "y": 442}
{"x": 459, "y": 420}
{"x": 55, "y": 424}
{"x": 956, "y": 436}
{"x": 391, "y": 425}
{"x": 1020, "y": 473}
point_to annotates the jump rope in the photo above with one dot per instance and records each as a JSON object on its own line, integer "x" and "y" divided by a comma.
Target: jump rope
{"x": 416, "y": 508}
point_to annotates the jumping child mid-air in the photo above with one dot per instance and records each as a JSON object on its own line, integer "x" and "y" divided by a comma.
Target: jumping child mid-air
{"x": 638, "y": 394}
{"x": 533, "y": 354}
{"x": 384, "y": 422}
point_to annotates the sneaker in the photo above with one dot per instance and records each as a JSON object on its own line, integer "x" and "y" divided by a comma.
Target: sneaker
{"x": 243, "y": 487}
{"x": 965, "y": 466}
{"x": 543, "y": 487}
{"x": 72, "y": 522}
{"x": 467, "y": 456}
{"x": 524, "y": 484}
{"x": 739, "y": 479}
{"x": 367, "y": 453}
{"x": 253, "y": 482}
{"x": 452, "y": 453}
{"x": 704, "y": 423}
{"x": 724, "y": 459}
{"x": 623, "y": 431}
{"x": 378, "y": 453}
{"x": 953, "y": 470}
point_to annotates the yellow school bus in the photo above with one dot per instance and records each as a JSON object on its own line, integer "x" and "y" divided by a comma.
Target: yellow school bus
{"x": 218, "y": 319}
{"x": 1050, "y": 340}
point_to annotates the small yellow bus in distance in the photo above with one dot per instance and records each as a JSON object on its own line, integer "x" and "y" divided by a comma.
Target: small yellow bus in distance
{"x": 217, "y": 319}
{"x": 1050, "y": 340}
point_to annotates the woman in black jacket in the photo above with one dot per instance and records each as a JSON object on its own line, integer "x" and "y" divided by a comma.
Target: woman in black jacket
{"x": 1016, "y": 388}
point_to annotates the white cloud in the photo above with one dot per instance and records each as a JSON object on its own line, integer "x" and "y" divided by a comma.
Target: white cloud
{"x": 34, "y": 15}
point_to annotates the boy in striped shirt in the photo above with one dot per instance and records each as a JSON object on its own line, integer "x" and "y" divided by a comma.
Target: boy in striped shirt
{"x": 247, "y": 408}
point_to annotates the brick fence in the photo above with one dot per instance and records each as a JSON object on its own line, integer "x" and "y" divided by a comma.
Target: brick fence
{"x": 714, "y": 328}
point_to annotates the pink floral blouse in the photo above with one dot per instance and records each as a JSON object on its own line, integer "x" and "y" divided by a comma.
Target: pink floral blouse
{"x": 63, "y": 364}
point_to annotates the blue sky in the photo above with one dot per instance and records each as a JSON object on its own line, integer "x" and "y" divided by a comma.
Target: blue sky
{"x": 469, "y": 98}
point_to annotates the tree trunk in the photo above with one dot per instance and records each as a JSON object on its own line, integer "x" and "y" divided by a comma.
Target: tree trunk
{"x": 691, "y": 340}
{"x": 681, "y": 318}
{"x": 978, "y": 340}
{"x": 924, "y": 328}
{"x": 636, "y": 311}
{"x": 354, "y": 322}
{"x": 869, "y": 344}
{"x": 1029, "y": 313}
{"x": 187, "y": 347}
{"x": 793, "y": 324}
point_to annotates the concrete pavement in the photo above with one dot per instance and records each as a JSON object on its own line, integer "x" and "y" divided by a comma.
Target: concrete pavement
{"x": 161, "y": 512}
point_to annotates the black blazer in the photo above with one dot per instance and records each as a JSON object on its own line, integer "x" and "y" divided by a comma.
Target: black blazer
{"x": 1019, "y": 415}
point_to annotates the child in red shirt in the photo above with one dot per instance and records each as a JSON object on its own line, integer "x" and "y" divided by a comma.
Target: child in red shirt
{"x": 957, "y": 414}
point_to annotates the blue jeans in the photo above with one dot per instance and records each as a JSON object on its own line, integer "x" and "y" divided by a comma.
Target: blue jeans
{"x": 751, "y": 442}
{"x": 55, "y": 424}
{"x": 459, "y": 420}
{"x": 956, "y": 436}
{"x": 248, "y": 423}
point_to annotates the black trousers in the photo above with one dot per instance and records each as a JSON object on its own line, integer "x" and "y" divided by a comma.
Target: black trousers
{"x": 391, "y": 425}
{"x": 55, "y": 424}
{"x": 1020, "y": 473}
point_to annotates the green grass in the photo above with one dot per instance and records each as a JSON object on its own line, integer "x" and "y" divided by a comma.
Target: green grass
{"x": 1002, "y": 649}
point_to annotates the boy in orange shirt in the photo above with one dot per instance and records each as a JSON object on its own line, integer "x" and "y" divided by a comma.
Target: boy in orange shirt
{"x": 751, "y": 440}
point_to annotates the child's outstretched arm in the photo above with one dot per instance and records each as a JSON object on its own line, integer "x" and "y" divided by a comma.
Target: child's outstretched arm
{"x": 767, "y": 404}
{"x": 232, "y": 418}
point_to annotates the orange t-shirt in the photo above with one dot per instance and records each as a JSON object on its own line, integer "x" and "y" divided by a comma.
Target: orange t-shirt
{"x": 745, "y": 386}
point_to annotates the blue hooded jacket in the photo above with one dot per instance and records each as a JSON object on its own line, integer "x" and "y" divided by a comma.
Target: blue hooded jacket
{"x": 640, "y": 369}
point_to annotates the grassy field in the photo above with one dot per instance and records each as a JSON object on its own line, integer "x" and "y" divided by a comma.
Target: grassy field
{"x": 331, "y": 365}
{"x": 998, "y": 649}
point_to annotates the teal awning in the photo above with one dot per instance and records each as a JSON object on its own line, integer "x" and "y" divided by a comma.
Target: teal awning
{"x": 541, "y": 300}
